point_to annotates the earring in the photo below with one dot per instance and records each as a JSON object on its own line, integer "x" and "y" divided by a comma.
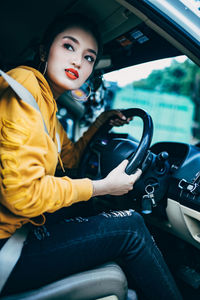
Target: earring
{"x": 45, "y": 68}
{"x": 43, "y": 64}
{"x": 81, "y": 94}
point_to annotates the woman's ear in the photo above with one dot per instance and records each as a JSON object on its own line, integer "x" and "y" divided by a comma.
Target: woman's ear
{"x": 43, "y": 54}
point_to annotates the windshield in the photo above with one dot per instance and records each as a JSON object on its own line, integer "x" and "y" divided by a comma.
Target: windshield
{"x": 183, "y": 13}
{"x": 168, "y": 89}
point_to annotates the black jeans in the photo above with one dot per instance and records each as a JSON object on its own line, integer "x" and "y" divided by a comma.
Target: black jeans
{"x": 64, "y": 246}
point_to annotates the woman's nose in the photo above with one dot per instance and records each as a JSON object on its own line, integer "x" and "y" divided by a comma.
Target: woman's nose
{"x": 77, "y": 61}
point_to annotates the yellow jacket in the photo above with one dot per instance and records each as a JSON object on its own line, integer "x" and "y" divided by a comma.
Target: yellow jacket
{"x": 28, "y": 156}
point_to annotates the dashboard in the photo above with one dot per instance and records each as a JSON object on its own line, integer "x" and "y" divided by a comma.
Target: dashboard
{"x": 171, "y": 169}
{"x": 184, "y": 160}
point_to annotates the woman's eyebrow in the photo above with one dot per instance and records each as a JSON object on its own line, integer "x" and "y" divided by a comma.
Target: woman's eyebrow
{"x": 77, "y": 42}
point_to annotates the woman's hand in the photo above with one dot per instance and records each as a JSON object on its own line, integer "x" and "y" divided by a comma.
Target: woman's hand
{"x": 117, "y": 182}
{"x": 116, "y": 118}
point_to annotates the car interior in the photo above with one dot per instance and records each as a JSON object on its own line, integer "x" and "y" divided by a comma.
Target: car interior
{"x": 168, "y": 192}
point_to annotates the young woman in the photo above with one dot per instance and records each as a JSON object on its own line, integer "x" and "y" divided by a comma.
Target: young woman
{"x": 57, "y": 245}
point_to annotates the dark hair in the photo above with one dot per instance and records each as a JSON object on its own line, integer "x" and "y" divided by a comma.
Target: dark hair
{"x": 66, "y": 21}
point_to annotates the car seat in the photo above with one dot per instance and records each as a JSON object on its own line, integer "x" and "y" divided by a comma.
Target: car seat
{"x": 106, "y": 280}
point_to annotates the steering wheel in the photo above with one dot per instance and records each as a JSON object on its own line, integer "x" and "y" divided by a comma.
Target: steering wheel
{"x": 137, "y": 153}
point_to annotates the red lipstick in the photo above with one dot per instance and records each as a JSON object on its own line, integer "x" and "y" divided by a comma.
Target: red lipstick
{"x": 71, "y": 73}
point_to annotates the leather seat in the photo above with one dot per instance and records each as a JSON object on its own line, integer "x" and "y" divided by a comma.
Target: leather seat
{"x": 103, "y": 281}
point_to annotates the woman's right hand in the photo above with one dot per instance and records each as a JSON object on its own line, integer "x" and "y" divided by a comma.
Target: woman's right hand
{"x": 117, "y": 182}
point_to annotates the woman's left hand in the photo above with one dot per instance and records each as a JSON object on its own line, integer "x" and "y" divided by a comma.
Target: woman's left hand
{"x": 117, "y": 118}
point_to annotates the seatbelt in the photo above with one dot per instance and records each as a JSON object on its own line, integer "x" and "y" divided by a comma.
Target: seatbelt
{"x": 23, "y": 93}
{"x": 10, "y": 253}
{"x": 11, "y": 250}
{"x": 27, "y": 97}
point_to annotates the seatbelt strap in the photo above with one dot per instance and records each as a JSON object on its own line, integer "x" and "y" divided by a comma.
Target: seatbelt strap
{"x": 10, "y": 254}
{"x": 27, "y": 97}
{"x": 11, "y": 250}
{"x": 23, "y": 93}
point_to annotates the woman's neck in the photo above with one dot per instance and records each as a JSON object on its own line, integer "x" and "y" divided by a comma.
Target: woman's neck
{"x": 55, "y": 90}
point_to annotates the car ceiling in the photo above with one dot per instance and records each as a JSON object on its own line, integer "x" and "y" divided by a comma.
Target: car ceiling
{"x": 23, "y": 23}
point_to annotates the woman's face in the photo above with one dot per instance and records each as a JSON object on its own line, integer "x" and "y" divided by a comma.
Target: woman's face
{"x": 71, "y": 60}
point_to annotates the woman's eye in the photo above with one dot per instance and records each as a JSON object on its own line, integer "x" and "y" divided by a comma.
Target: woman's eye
{"x": 89, "y": 58}
{"x": 68, "y": 47}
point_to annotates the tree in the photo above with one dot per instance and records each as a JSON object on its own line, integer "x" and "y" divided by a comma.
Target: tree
{"x": 179, "y": 78}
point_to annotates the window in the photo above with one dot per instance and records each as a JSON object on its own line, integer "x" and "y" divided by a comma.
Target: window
{"x": 168, "y": 90}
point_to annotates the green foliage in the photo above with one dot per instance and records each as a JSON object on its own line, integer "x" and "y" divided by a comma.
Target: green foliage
{"x": 179, "y": 78}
